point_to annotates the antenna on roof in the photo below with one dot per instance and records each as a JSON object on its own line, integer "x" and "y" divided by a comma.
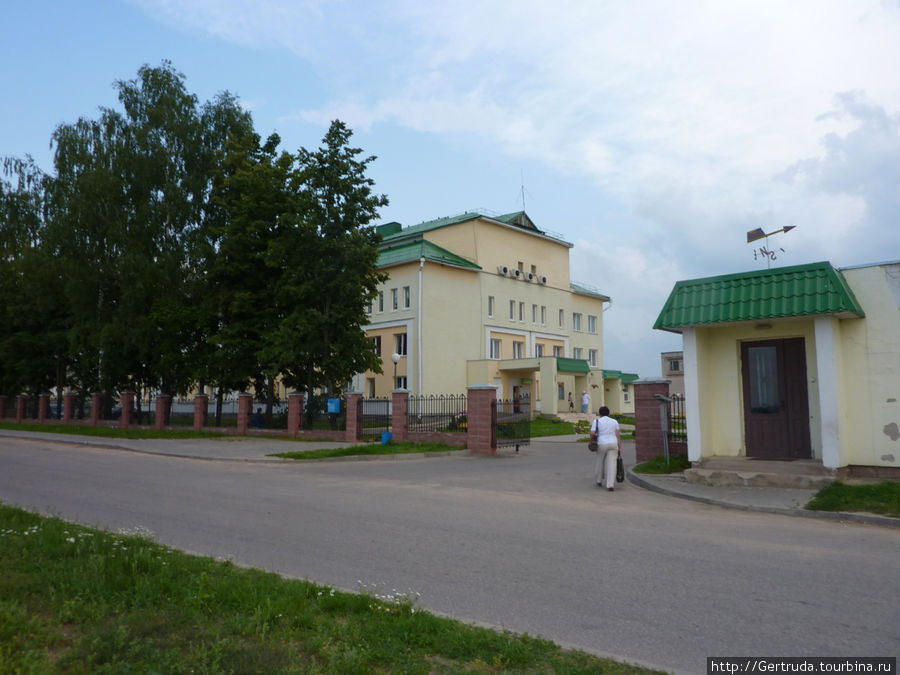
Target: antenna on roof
{"x": 522, "y": 189}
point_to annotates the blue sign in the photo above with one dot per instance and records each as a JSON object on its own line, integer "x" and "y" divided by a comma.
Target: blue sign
{"x": 334, "y": 406}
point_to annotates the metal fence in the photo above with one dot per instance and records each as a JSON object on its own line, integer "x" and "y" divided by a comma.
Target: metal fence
{"x": 677, "y": 422}
{"x": 373, "y": 418}
{"x": 511, "y": 422}
{"x": 437, "y": 413}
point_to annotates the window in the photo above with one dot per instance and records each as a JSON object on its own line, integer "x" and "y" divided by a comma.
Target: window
{"x": 522, "y": 311}
{"x": 406, "y": 297}
{"x": 491, "y": 306}
{"x": 495, "y": 349}
{"x": 512, "y": 310}
{"x": 370, "y": 386}
{"x": 592, "y": 357}
{"x": 577, "y": 353}
{"x": 534, "y": 314}
{"x": 560, "y": 392}
{"x": 518, "y": 350}
{"x": 376, "y": 345}
{"x": 543, "y": 315}
{"x": 558, "y": 352}
{"x": 576, "y": 321}
{"x": 539, "y": 351}
{"x": 592, "y": 324}
{"x": 400, "y": 382}
{"x": 395, "y": 300}
{"x": 626, "y": 396}
{"x": 380, "y": 301}
{"x": 562, "y": 318}
{"x": 674, "y": 366}
{"x": 400, "y": 344}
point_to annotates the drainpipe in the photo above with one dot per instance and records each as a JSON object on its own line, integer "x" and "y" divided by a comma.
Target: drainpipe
{"x": 419, "y": 327}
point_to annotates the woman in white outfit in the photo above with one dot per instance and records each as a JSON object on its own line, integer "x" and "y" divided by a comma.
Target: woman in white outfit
{"x": 609, "y": 447}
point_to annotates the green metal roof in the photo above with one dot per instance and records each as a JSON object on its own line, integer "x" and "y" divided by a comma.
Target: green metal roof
{"x": 802, "y": 290}
{"x": 627, "y": 378}
{"x": 572, "y": 366}
{"x": 518, "y": 219}
{"x": 586, "y": 290}
{"x": 413, "y": 251}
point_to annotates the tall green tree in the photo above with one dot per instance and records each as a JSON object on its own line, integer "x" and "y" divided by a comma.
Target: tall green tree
{"x": 329, "y": 263}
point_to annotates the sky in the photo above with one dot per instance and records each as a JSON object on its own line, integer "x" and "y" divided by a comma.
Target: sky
{"x": 652, "y": 135}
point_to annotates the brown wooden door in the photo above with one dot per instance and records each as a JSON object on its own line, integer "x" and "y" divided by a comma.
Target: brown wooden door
{"x": 776, "y": 404}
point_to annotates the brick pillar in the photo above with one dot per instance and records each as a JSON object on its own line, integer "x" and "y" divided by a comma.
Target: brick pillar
{"x": 96, "y": 405}
{"x": 245, "y": 409}
{"x": 126, "y": 400}
{"x": 20, "y": 408}
{"x": 480, "y": 437}
{"x": 399, "y": 420}
{"x": 43, "y": 408}
{"x": 201, "y": 411}
{"x": 353, "y": 421}
{"x": 648, "y": 435}
{"x": 68, "y": 407}
{"x": 295, "y": 414}
{"x": 162, "y": 411}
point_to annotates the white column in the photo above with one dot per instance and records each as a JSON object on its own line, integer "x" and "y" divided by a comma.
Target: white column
{"x": 692, "y": 408}
{"x": 828, "y": 367}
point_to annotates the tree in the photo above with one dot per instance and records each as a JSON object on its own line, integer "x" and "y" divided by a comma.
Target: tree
{"x": 329, "y": 263}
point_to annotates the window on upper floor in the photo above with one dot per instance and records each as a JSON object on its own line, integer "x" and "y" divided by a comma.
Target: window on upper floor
{"x": 495, "y": 349}
{"x": 491, "y": 306}
{"x": 558, "y": 351}
{"x": 592, "y": 323}
{"x": 380, "y": 301}
{"x": 395, "y": 299}
{"x": 518, "y": 350}
{"x": 592, "y": 357}
{"x": 376, "y": 345}
{"x": 562, "y": 318}
{"x": 539, "y": 351}
{"x": 543, "y": 315}
{"x": 522, "y": 311}
{"x": 576, "y": 321}
{"x": 400, "y": 343}
{"x": 674, "y": 365}
{"x": 512, "y": 310}
{"x": 534, "y": 314}
{"x": 577, "y": 352}
{"x": 406, "y": 297}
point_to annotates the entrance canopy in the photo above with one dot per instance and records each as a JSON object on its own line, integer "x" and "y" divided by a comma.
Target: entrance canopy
{"x": 815, "y": 289}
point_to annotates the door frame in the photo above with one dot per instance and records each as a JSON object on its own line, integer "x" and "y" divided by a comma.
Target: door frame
{"x": 781, "y": 434}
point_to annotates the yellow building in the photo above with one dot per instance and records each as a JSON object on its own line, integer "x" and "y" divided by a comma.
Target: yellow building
{"x": 476, "y": 299}
{"x": 798, "y": 362}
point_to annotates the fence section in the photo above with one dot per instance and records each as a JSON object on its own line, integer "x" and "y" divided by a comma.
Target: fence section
{"x": 441, "y": 413}
{"x": 512, "y": 423}
{"x": 373, "y": 418}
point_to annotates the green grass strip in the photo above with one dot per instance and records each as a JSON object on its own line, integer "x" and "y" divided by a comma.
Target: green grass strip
{"x": 882, "y": 498}
{"x": 80, "y": 600}
{"x": 404, "y": 448}
{"x": 658, "y": 465}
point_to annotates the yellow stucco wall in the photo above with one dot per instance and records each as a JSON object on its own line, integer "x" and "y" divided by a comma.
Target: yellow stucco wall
{"x": 490, "y": 245}
{"x": 720, "y": 384}
{"x": 871, "y": 365}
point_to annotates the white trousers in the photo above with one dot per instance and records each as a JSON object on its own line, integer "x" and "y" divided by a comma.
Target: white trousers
{"x": 606, "y": 456}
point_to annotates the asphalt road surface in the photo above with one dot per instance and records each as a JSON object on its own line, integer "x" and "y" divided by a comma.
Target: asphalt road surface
{"x": 525, "y": 542}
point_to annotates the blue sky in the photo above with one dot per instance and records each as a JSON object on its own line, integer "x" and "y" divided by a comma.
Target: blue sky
{"x": 651, "y": 134}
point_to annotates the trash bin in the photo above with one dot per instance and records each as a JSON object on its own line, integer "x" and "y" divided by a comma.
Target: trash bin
{"x": 386, "y": 437}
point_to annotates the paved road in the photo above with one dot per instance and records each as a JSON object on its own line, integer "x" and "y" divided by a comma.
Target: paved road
{"x": 525, "y": 542}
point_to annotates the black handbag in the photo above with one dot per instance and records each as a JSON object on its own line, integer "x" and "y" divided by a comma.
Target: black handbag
{"x": 620, "y": 470}
{"x": 592, "y": 445}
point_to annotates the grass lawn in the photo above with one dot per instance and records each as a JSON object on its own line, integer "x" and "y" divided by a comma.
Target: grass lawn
{"x": 109, "y": 432}
{"x": 882, "y": 498}
{"x": 79, "y": 600}
{"x": 404, "y": 448}
{"x": 543, "y": 426}
{"x": 677, "y": 463}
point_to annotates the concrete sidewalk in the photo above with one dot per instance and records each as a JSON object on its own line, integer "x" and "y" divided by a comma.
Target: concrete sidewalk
{"x": 787, "y": 501}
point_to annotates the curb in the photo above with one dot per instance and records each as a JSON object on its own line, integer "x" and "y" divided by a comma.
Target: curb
{"x": 869, "y": 519}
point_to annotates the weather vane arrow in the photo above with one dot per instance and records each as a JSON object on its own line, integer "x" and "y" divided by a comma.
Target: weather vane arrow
{"x": 758, "y": 233}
